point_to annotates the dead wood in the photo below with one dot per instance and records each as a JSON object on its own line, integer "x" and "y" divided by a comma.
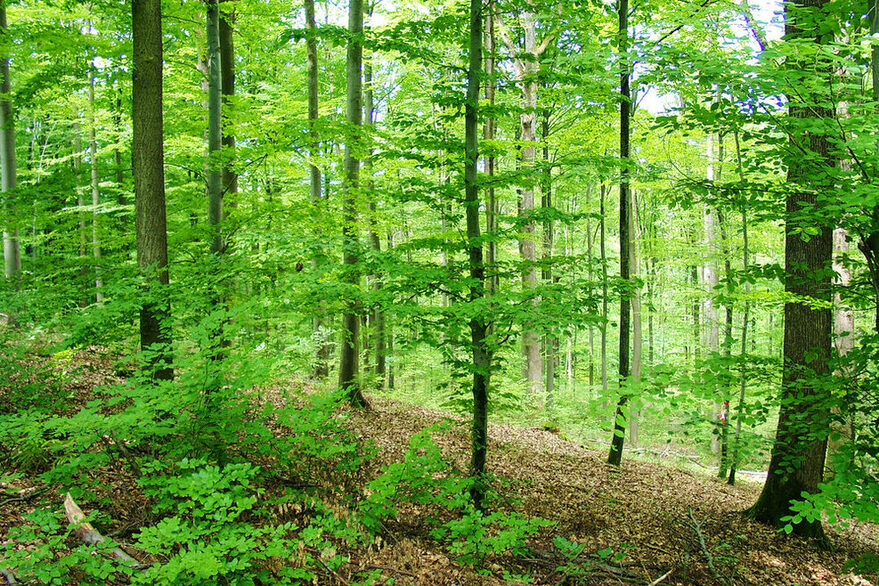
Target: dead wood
{"x": 697, "y": 529}
{"x": 8, "y": 575}
{"x": 90, "y": 535}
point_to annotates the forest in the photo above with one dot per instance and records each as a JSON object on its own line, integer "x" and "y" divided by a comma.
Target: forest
{"x": 439, "y": 292}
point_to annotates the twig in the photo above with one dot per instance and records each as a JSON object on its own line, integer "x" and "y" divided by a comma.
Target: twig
{"x": 25, "y": 497}
{"x": 663, "y": 577}
{"x": 90, "y": 535}
{"x": 657, "y": 548}
{"x": 316, "y": 555}
{"x": 697, "y": 527}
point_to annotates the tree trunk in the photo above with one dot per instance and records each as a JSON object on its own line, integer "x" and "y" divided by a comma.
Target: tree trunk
{"x": 491, "y": 207}
{"x": 322, "y": 359}
{"x": 11, "y": 247}
{"x": 637, "y": 339}
{"x": 616, "y": 446}
{"x": 376, "y": 316}
{"x": 149, "y": 182}
{"x": 227, "y": 89}
{"x": 734, "y": 456}
{"x": 215, "y": 132}
{"x": 797, "y": 463}
{"x": 96, "y": 192}
{"x": 479, "y": 347}
{"x": 349, "y": 362}
{"x": 550, "y": 341}
{"x": 602, "y": 245}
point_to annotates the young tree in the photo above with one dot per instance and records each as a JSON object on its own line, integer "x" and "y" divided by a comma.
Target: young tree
{"x": 149, "y": 181}
{"x": 797, "y": 463}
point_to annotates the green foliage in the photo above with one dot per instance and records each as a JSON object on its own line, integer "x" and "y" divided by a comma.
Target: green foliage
{"x": 208, "y": 531}
{"x": 38, "y": 551}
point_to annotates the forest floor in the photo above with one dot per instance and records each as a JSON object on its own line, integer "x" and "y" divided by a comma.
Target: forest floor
{"x": 642, "y": 523}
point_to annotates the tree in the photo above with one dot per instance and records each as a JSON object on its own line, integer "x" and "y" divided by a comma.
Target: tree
{"x": 797, "y": 463}
{"x": 349, "y": 362}
{"x": 11, "y": 247}
{"x": 149, "y": 182}
{"x": 215, "y": 130}
{"x": 480, "y": 350}
{"x": 525, "y": 65}
{"x": 616, "y": 446}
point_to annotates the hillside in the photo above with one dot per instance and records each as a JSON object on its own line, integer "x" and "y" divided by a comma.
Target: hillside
{"x": 644, "y": 523}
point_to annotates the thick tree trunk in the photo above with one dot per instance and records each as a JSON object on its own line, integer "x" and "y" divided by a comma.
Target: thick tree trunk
{"x": 349, "y": 375}
{"x": 149, "y": 182}
{"x": 11, "y": 247}
{"x": 797, "y": 463}
{"x": 616, "y": 446}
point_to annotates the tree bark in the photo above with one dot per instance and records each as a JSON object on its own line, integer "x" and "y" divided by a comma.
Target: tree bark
{"x": 215, "y": 131}
{"x": 481, "y": 353}
{"x": 11, "y": 247}
{"x": 349, "y": 375}
{"x": 96, "y": 191}
{"x": 616, "y": 446}
{"x": 797, "y": 463}
{"x": 149, "y": 182}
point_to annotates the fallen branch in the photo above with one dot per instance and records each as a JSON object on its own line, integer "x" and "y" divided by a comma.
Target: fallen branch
{"x": 663, "y": 577}
{"x": 697, "y": 528}
{"x": 7, "y": 573}
{"x": 90, "y": 535}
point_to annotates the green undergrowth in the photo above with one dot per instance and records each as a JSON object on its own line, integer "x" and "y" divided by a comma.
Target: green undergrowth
{"x": 231, "y": 488}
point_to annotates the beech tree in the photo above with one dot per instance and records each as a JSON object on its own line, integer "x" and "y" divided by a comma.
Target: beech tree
{"x": 147, "y": 153}
{"x": 11, "y": 247}
{"x": 797, "y": 464}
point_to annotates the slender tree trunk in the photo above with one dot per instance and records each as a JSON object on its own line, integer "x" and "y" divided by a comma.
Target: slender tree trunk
{"x": 11, "y": 247}
{"x": 604, "y": 300}
{"x": 117, "y": 152}
{"x": 616, "y": 446}
{"x": 525, "y": 70}
{"x": 376, "y": 316}
{"x": 322, "y": 360}
{"x": 349, "y": 377}
{"x": 215, "y": 131}
{"x": 709, "y": 280}
{"x": 149, "y": 182}
{"x": 797, "y": 463}
{"x": 727, "y": 353}
{"x": 389, "y": 332}
{"x": 227, "y": 89}
{"x": 637, "y": 338}
{"x": 550, "y": 341}
{"x": 869, "y": 245}
{"x": 491, "y": 208}
{"x": 479, "y": 347}
{"x": 96, "y": 192}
